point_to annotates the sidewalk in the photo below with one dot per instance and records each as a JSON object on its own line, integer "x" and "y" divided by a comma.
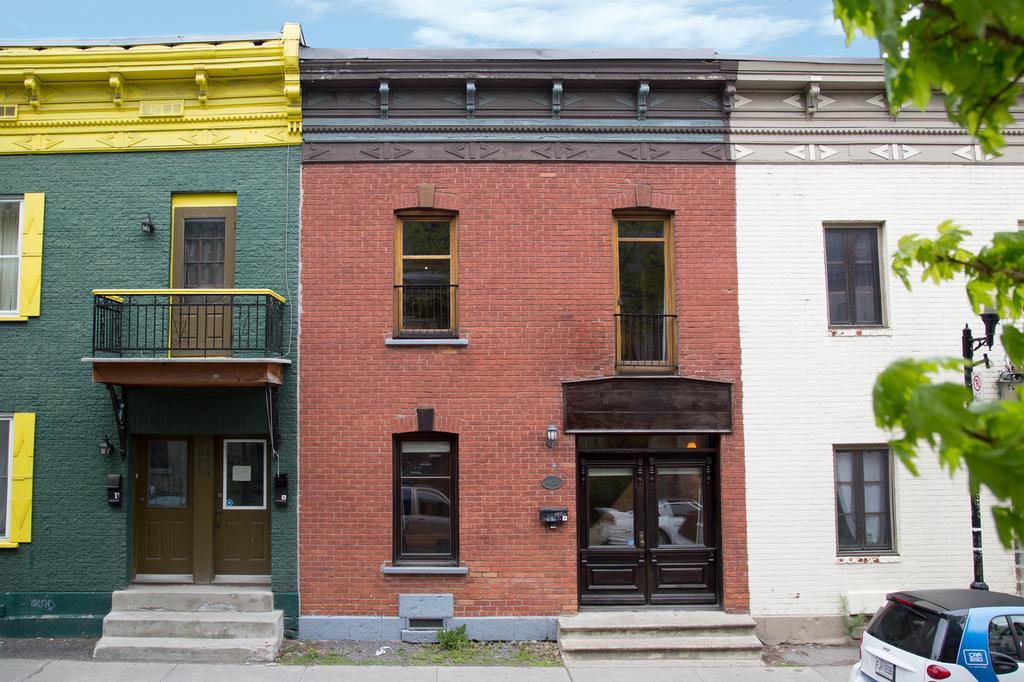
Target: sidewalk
{"x": 15, "y": 669}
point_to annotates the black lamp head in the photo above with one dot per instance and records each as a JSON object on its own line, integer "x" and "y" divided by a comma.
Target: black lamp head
{"x": 991, "y": 318}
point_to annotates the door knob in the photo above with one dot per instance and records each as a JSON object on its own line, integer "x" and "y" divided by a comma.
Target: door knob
{"x": 643, "y": 542}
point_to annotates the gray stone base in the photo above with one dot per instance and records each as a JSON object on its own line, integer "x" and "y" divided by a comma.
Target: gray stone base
{"x": 387, "y": 628}
{"x": 801, "y": 630}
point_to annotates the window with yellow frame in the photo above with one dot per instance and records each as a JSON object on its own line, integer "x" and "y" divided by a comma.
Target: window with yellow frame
{"x": 17, "y": 436}
{"x": 21, "y": 254}
{"x": 426, "y": 275}
{"x": 645, "y": 320}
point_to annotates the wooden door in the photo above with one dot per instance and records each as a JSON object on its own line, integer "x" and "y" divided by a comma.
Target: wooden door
{"x": 681, "y": 530}
{"x": 164, "y": 508}
{"x": 648, "y": 529}
{"x": 204, "y": 258}
{"x": 612, "y": 536}
{"x": 242, "y": 514}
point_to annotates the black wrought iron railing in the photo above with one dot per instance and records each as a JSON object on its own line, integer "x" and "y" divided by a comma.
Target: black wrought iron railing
{"x": 426, "y": 310}
{"x": 645, "y": 341}
{"x": 187, "y": 322}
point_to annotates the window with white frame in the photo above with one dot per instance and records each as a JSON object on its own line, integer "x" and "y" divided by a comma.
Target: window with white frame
{"x": 6, "y": 447}
{"x": 10, "y": 254}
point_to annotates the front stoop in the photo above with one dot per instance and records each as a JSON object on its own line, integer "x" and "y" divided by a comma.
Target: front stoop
{"x": 191, "y": 623}
{"x": 698, "y": 636}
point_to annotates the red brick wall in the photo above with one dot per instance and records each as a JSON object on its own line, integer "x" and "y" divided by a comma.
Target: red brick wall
{"x": 536, "y": 302}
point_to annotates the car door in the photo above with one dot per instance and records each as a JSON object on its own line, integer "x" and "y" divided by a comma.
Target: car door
{"x": 1006, "y": 647}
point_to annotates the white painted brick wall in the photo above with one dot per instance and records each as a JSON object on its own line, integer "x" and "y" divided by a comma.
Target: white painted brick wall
{"x": 805, "y": 390}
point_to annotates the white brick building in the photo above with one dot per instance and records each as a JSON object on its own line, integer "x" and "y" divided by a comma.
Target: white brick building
{"x": 807, "y": 381}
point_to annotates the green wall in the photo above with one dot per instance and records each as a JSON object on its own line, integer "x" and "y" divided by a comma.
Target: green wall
{"x": 80, "y": 549}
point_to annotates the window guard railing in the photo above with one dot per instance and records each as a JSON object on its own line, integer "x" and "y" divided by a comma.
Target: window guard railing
{"x": 426, "y": 310}
{"x": 645, "y": 342}
{"x": 187, "y": 323}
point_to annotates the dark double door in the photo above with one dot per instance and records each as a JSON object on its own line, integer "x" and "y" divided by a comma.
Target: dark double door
{"x": 648, "y": 529}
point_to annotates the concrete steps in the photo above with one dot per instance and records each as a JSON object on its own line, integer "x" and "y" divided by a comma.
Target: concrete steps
{"x": 711, "y": 636}
{"x": 197, "y": 623}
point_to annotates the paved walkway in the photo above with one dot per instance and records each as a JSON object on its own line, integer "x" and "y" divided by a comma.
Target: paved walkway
{"x": 17, "y": 669}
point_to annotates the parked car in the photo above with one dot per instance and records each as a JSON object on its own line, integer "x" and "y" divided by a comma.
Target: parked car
{"x": 955, "y": 635}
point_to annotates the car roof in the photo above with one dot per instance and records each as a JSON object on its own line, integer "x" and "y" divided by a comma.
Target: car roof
{"x": 941, "y": 601}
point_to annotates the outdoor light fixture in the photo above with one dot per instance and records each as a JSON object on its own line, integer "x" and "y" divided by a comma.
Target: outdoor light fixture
{"x": 551, "y": 436}
{"x": 968, "y": 345}
{"x": 106, "y": 447}
{"x": 147, "y": 224}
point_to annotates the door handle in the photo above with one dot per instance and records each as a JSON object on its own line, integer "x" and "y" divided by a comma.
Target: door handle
{"x": 643, "y": 541}
{"x": 217, "y": 518}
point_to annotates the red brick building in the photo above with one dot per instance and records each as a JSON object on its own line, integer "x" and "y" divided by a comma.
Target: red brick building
{"x": 520, "y": 388}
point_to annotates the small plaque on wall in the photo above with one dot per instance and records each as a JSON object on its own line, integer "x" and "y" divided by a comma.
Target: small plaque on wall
{"x": 551, "y": 482}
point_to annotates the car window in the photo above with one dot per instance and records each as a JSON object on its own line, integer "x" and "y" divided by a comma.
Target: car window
{"x": 906, "y": 628}
{"x": 1000, "y": 637}
{"x": 1017, "y": 627}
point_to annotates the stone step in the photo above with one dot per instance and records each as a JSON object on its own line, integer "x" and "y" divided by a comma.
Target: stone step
{"x": 193, "y": 598}
{"x": 213, "y": 625}
{"x": 656, "y": 623}
{"x": 184, "y": 649}
{"x": 703, "y": 647}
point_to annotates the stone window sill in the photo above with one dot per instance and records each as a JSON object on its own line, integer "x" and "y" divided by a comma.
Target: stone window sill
{"x": 869, "y": 559}
{"x": 389, "y": 569}
{"x": 859, "y": 331}
{"x": 392, "y": 341}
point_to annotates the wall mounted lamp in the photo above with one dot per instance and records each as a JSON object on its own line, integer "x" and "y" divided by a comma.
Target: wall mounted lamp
{"x": 106, "y": 447}
{"x": 147, "y": 224}
{"x": 551, "y": 436}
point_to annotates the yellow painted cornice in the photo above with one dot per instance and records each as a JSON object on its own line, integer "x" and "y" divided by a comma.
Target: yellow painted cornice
{"x": 185, "y": 95}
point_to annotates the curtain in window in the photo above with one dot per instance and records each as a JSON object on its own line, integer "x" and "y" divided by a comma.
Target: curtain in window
{"x": 9, "y": 212}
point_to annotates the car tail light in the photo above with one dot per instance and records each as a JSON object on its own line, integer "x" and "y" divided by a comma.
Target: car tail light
{"x": 937, "y": 672}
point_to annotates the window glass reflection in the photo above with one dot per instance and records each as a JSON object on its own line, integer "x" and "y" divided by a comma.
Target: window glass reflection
{"x": 680, "y": 506}
{"x": 610, "y": 506}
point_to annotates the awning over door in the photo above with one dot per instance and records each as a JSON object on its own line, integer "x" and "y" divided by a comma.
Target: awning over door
{"x": 648, "y": 404}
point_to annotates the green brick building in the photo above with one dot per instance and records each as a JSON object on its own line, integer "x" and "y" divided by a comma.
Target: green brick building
{"x": 147, "y": 433}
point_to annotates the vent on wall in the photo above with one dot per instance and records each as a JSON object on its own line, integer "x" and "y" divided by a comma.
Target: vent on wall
{"x": 8, "y": 112}
{"x": 162, "y": 108}
{"x": 426, "y": 623}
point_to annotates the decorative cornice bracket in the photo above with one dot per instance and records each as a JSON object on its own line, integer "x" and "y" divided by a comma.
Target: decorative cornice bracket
{"x": 643, "y": 100}
{"x": 383, "y": 91}
{"x": 811, "y": 94}
{"x": 470, "y": 98}
{"x": 32, "y": 86}
{"x": 202, "y": 86}
{"x": 556, "y": 99}
{"x": 729, "y": 97}
{"x": 117, "y": 89}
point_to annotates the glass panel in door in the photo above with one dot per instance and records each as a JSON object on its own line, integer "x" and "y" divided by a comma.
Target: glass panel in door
{"x": 611, "y": 507}
{"x": 680, "y": 499}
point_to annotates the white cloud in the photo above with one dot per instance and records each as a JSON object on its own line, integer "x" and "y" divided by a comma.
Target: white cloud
{"x": 723, "y": 25}
{"x": 312, "y": 7}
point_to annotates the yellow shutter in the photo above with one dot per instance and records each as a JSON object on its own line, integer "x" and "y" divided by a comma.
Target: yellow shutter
{"x": 21, "y": 477}
{"x": 31, "y": 255}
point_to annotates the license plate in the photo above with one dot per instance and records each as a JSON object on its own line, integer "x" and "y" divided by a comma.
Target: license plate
{"x": 884, "y": 669}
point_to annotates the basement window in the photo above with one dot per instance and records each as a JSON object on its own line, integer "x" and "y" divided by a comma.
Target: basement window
{"x": 426, "y": 623}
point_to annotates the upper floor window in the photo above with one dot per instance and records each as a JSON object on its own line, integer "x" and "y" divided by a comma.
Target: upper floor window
{"x": 645, "y": 324}
{"x": 863, "y": 500}
{"x": 854, "y": 282}
{"x": 10, "y": 255}
{"x": 426, "y": 499}
{"x": 426, "y": 276}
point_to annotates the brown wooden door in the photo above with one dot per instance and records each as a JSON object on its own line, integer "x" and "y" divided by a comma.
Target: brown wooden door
{"x": 204, "y": 258}
{"x": 242, "y": 514}
{"x": 647, "y": 530}
{"x": 164, "y": 507}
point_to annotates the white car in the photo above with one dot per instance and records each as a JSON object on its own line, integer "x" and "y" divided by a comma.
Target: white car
{"x": 955, "y": 635}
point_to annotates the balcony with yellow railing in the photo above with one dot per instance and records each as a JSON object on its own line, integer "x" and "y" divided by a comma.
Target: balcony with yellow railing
{"x": 187, "y": 337}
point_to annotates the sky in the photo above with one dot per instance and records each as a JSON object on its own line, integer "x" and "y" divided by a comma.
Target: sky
{"x": 734, "y": 27}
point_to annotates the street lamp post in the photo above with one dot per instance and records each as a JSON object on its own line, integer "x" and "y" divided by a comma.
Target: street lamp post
{"x": 969, "y": 344}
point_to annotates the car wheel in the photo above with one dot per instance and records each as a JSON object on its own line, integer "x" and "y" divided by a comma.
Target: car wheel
{"x": 663, "y": 539}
